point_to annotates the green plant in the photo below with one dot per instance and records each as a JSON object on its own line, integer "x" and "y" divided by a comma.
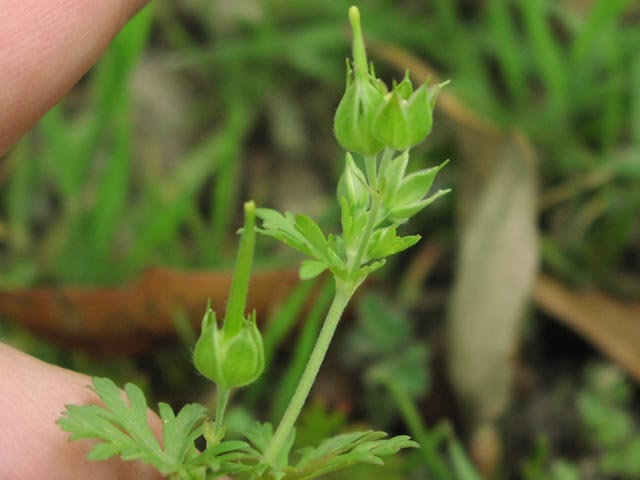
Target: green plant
{"x": 376, "y": 194}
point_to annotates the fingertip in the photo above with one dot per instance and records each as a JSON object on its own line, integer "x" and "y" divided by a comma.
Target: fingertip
{"x": 50, "y": 46}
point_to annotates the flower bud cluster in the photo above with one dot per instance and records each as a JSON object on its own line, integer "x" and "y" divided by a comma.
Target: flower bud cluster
{"x": 370, "y": 117}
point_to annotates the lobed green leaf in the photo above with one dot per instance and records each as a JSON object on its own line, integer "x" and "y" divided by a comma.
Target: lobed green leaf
{"x": 311, "y": 269}
{"x": 402, "y": 213}
{"x": 385, "y": 242}
{"x": 393, "y": 175}
{"x": 123, "y": 428}
{"x": 345, "y": 450}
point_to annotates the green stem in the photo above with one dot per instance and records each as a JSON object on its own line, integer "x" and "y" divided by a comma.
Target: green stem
{"x": 221, "y": 406}
{"x": 242, "y": 273}
{"x": 344, "y": 292}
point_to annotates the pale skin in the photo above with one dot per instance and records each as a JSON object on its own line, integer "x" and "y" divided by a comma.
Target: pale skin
{"x": 45, "y": 48}
{"x": 32, "y": 447}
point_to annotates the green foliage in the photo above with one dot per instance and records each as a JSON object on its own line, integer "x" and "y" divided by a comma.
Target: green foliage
{"x": 333, "y": 454}
{"x": 565, "y": 471}
{"x": 370, "y": 217}
{"x": 319, "y": 421}
{"x": 92, "y": 198}
{"x": 346, "y": 450}
{"x": 373, "y": 202}
{"x": 124, "y": 430}
{"x": 303, "y": 234}
{"x": 404, "y": 196}
{"x": 381, "y": 127}
{"x": 80, "y": 242}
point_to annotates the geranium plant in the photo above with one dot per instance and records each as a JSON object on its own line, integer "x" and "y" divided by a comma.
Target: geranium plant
{"x": 377, "y": 126}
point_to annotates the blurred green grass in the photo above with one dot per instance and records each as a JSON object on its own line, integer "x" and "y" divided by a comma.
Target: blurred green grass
{"x": 90, "y": 197}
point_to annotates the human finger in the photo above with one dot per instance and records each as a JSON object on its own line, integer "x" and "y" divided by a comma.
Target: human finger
{"x": 46, "y": 46}
{"x": 33, "y": 395}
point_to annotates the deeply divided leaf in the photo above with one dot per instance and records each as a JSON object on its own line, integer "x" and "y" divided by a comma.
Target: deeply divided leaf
{"x": 122, "y": 426}
{"x": 345, "y": 450}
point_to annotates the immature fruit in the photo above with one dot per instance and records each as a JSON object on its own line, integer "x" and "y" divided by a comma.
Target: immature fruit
{"x": 369, "y": 117}
{"x": 229, "y": 361}
{"x": 354, "y": 117}
{"x": 405, "y": 118}
{"x": 363, "y": 96}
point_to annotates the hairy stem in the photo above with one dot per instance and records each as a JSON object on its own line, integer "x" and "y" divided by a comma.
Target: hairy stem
{"x": 344, "y": 292}
{"x": 221, "y": 406}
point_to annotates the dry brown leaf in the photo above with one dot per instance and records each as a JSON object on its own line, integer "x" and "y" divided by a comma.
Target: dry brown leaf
{"x": 129, "y": 318}
{"x": 611, "y": 325}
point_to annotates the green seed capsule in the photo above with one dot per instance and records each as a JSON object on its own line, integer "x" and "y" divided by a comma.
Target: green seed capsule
{"x": 354, "y": 117}
{"x": 402, "y": 122}
{"x": 361, "y": 100}
{"x": 233, "y": 355}
{"x": 233, "y": 361}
